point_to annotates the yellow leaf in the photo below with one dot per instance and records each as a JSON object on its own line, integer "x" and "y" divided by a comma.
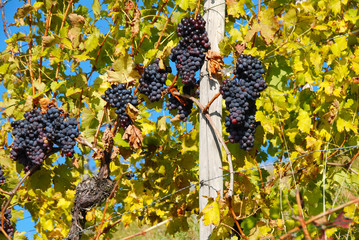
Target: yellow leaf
{"x": 48, "y": 225}
{"x": 304, "y": 121}
{"x": 211, "y": 213}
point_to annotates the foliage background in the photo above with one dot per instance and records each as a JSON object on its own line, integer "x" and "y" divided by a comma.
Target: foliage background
{"x": 310, "y": 51}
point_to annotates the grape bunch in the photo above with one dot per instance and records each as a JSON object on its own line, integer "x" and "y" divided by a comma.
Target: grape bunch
{"x": 61, "y": 132}
{"x": 240, "y": 95}
{"x": 249, "y": 72}
{"x": 118, "y": 96}
{"x": 188, "y": 54}
{"x": 35, "y": 136}
{"x": 153, "y": 80}
{"x": 2, "y": 176}
{"x": 8, "y": 227}
{"x": 183, "y": 106}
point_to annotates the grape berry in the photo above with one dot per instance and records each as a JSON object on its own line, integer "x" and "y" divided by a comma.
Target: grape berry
{"x": 188, "y": 54}
{"x": 8, "y": 227}
{"x": 118, "y": 96}
{"x": 240, "y": 95}
{"x": 35, "y": 136}
{"x": 2, "y": 176}
{"x": 153, "y": 80}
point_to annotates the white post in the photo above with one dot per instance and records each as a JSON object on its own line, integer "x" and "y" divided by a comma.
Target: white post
{"x": 210, "y": 150}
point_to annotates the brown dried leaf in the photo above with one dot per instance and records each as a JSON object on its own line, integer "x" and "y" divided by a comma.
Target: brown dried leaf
{"x": 75, "y": 162}
{"x": 107, "y": 138}
{"x": 240, "y": 48}
{"x": 176, "y": 119}
{"x": 131, "y": 111}
{"x": 115, "y": 152}
{"x": 215, "y": 63}
{"x": 76, "y": 20}
{"x": 355, "y": 80}
{"x": 45, "y": 104}
{"x": 133, "y": 136}
{"x": 97, "y": 155}
{"x": 333, "y": 112}
{"x": 135, "y": 23}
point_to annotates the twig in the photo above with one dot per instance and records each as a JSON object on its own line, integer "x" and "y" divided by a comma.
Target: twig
{"x": 30, "y": 52}
{"x": 13, "y": 192}
{"x": 4, "y": 19}
{"x": 219, "y": 137}
{"x": 99, "y": 232}
{"x": 62, "y": 25}
{"x": 312, "y": 219}
{"x": 301, "y": 218}
{"x": 146, "y": 230}
{"x": 197, "y": 9}
{"x": 48, "y": 20}
{"x": 139, "y": 44}
{"x": 159, "y": 12}
{"x": 205, "y": 110}
{"x": 164, "y": 28}
{"x": 106, "y": 229}
{"x": 97, "y": 56}
{"x": 3, "y": 231}
{"x": 341, "y": 145}
{"x": 99, "y": 125}
{"x": 235, "y": 219}
{"x": 234, "y": 230}
{"x": 65, "y": 15}
{"x": 86, "y": 143}
{"x": 353, "y": 158}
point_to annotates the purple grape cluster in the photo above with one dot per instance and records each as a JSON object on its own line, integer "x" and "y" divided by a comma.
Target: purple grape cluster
{"x": 118, "y": 96}
{"x": 2, "y": 176}
{"x": 249, "y": 71}
{"x": 240, "y": 95}
{"x": 36, "y": 135}
{"x": 188, "y": 54}
{"x": 184, "y": 108}
{"x": 8, "y": 227}
{"x": 60, "y": 131}
{"x": 153, "y": 80}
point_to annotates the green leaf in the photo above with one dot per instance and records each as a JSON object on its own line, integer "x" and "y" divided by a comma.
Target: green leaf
{"x": 96, "y": 8}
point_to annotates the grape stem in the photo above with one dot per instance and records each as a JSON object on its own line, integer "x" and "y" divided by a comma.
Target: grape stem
{"x": 219, "y": 137}
{"x": 312, "y": 219}
{"x": 86, "y": 143}
{"x": 99, "y": 125}
{"x": 99, "y": 231}
{"x": 147, "y": 230}
{"x": 301, "y": 218}
{"x": 205, "y": 110}
{"x": 235, "y": 218}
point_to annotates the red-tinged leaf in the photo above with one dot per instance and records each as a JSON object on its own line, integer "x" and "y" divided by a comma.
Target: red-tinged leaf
{"x": 342, "y": 221}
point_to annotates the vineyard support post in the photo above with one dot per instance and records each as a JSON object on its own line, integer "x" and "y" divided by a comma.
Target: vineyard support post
{"x": 210, "y": 150}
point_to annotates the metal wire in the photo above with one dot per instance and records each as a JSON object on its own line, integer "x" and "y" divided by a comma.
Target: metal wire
{"x": 208, "y": 180}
